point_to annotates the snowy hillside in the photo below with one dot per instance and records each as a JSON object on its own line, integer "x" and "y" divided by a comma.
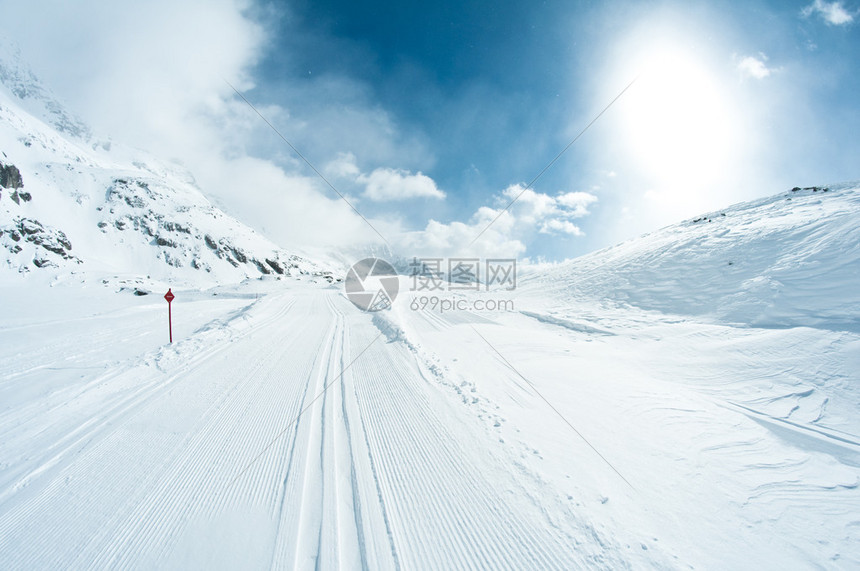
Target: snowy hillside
{"x": 618, "y": 415}
{"x": 71, "y": 203}
{"x": 785, "y": 261}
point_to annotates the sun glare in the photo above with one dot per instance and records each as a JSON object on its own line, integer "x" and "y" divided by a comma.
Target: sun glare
{"x": 679, "y": 126}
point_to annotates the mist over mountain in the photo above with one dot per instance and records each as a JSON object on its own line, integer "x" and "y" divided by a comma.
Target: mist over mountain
{"x": 75, "y": 203}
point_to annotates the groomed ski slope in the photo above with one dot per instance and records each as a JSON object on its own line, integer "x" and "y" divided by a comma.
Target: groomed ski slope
{"x": 190, "y": 456}
{"x": 585, "y": 427}
{"x": 427, "y": 452}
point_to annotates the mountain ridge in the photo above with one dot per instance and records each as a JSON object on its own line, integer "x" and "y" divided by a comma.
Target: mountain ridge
{"x": 75, "y": 204}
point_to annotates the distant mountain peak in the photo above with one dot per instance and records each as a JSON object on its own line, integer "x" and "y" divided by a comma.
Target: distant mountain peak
{"x": 37, "y": 99}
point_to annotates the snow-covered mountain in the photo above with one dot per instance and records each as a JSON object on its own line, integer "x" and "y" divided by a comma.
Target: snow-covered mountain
{"x": 72, "y": 203}
{"x": 788, "y": 260}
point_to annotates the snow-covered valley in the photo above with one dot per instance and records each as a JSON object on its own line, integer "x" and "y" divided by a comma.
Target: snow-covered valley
{"x": 687, "y": 399}
{"x": 666, "y": 441}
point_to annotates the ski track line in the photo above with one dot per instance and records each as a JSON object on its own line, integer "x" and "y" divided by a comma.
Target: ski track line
{"x": 61, "y": 350}
{"x": 305, "y": 534}
{"x": 372, "y": 515}
{"x": 420, "y": 438}
{"x": 289, "y": 484}
{"x": 309, "y": 525}
{"x": 346, "y": 508}
{"x": 541, "y": 542}
{"x": 349, "y": 444}
{"x": 434, "y": 321}
{"x": 327, "y": 531}
{"x": 96, "y": 446}
{"x": 339, "y": 546}
{"x": 562, "y": 537}
{"x": 259, "y": 407}
{"x": 65, "y": 352}
{"x": 171, "y": 507}
{"x": 412, "y": 445}
{"x": 66, "y": 395}
{"x": 443, "y": 511}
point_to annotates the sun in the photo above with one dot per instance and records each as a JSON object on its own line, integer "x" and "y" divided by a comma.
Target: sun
{"x": 677, "y": 121}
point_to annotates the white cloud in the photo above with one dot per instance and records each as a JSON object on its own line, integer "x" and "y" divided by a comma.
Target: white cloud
{"x": 153, "y": 74}
{"x": 833, "y": 13}
{"x": 538, "y": 208}
{"x": 564, "y": 226}
{"x": 530, "y": 206}
{"x": 452, "y": 239}
{"x": 291, "y": 208}
{"x": 385, "y": 184}
{"x": 147, "y": 73}
{"x": 503, "y": 232}
{"x": 382, "y": 184}
{"x": 755, "y": 67}
{"x": 344, "y": 166}
{"x": 577, "y": 202}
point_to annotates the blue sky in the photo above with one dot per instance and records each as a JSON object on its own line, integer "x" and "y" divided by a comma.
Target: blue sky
{"x": 432, "y": 117}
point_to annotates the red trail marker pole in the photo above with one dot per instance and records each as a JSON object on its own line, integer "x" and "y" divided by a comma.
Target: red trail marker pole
{"x": 169, "y": 297}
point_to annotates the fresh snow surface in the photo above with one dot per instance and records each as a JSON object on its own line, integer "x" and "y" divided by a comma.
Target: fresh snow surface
{"x": 611, "y": 420}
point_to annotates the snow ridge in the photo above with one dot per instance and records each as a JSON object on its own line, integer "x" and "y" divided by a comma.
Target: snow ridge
{"x": 784, "y": 261}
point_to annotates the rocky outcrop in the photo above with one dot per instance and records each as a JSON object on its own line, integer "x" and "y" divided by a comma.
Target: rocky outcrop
{"x": 19, "y": 196}
{"x": 52, "y": 245}
{"x": 10, "y": 177}
{"x": 190, "y": 235}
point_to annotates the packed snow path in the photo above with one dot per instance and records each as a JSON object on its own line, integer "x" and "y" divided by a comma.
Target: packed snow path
{"x": 226, "y": 450}
{"x": 169, "y": 471}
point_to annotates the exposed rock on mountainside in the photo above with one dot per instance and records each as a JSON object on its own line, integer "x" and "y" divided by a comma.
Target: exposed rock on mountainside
{"x": 126, "y": 211}
{"x": 10, "y": 176}
{"x": 50, "y": 247}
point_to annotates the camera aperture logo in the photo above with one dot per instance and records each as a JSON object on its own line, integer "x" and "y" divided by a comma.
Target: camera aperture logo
{"x": 372, "y": 284}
